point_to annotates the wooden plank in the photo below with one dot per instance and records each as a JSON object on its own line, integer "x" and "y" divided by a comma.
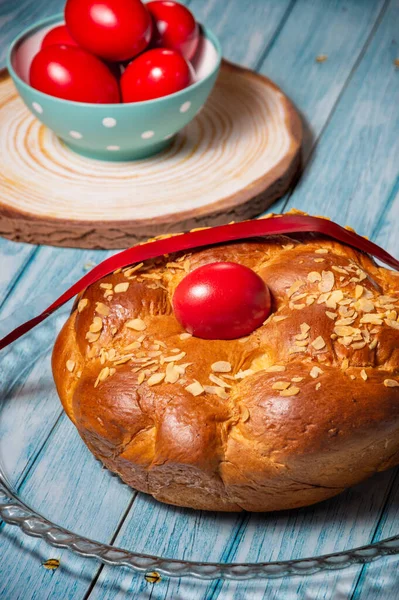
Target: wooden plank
{"x": 62, "y": 484}
{"x": 355, "y": 168}
{"x": 14, "y": 258}
{"x": 16, "y": 16}
{"x": 246, "y": 29}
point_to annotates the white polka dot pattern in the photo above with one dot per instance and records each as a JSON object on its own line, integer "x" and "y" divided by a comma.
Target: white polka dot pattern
{"x": 37, "y": 107}
{"x": 146, "y": 135}
{"x": 244, "y": 130}
{"x": 185, "y": 107}
{"x": 75, "y": 135}
{"x": 109, "y": 122}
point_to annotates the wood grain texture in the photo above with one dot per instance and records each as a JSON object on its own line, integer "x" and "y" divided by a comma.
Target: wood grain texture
{"x": 237, "y": 156}
{"x": 293, "y": 40}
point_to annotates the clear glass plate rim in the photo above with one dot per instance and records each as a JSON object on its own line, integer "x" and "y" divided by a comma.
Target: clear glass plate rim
{"x": 14, "y": 511}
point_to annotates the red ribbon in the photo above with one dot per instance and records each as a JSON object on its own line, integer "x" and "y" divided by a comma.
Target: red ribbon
{"x": 224, "y": 233}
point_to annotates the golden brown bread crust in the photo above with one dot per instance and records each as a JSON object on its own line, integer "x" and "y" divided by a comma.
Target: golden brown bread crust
{"x": 315, "y": 407}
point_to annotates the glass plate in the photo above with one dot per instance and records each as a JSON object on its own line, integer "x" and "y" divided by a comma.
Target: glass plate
{"x": 53, "y": 488}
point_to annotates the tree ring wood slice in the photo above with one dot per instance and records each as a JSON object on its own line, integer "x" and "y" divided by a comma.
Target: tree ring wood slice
{"x": 239, "y": 154}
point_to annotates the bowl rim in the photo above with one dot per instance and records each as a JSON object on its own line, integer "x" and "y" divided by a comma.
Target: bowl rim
{"x": 58, "y": 18}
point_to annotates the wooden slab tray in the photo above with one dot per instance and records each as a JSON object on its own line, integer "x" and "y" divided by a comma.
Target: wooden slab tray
{"x": 238, "y": 155}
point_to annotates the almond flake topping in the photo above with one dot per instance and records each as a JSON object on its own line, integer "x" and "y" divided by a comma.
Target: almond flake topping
{"x": 277, "y": 318}
{"x": 359, "y": 289}
{"x": 345, "y": 364}
{"x": 97, "y": 325}
{"x": 275, "y": 369}
{"x": 318, "y": 343}
{"x": 175, "y": 358}
{"x": 304, "y": 327}
{"x": 129, "y": 272}
{"x": 121, "y": 287}
{"x": 296, "y": 379}
{"x": 364, "y": 305}
{"x": 281, "y": 385}
{"x": 292, "y": 391}
{"x": 331, "y": 315}
{"x": 221, "y": 366}
{"x": 363, "y": 375}
{"x": 156, "y": 378}
{"x": 314, "y": 276}
{"x": 295, "y": 287}
{"x": 321, "y": 251}
{"x": 185, "y": 336}
{"x": 70, "y": 365}
{"x": 195, "y": 388}
{"x": 140, "y": 378}
{"x": 246, "y": 373}
{"x": 82, "y": 304}
{"x": 327, "y": 281}
{"x": 136, "y": 324}
{"x": 345, "y": 321}
{"x": 172, "y": 374}
{"x": 373, "y": 318}
{"x": 391, "y": 323}
{"x": 102, "y": 309}
{"x": 92, "y": 337}
{"x": 106, "y": 286}
{"x": 315, "y": 372}
{"x": 391, "y": 383}
{"x": 219, "y": 381}
{"x": 344, "y": 330}
{"x": 318, "y": 386}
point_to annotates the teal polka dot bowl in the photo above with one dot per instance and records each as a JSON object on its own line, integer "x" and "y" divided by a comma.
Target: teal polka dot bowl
{"x": 114, "y": 132}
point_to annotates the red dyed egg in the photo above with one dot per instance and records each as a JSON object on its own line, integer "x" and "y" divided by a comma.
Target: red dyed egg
{"x": 174, "y": 27}
{"x": 222, "y": 300}
{"x": 115, "y": 30}
{"x": 153, "y": 74}
{"x": 73, "y": 74}
{"x": 59, "y": 36}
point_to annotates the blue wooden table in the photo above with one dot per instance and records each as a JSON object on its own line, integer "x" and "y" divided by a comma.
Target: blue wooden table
{"x": 350, "y": 103}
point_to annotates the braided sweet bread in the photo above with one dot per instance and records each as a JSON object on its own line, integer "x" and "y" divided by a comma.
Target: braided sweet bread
{"x": 294, "y": 413}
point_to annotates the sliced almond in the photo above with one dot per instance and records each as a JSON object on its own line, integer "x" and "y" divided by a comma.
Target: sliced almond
{"x": 391, "y": 323}
{"x": 314, "y": 276}
{"x": 172, "y": 374}
{"x": 82, "y": 304}
{"x": 221, "y": 366}
{"x": 277, "y": 318}
{"x": 195, "y": 388}
{"x": 318, "y": 343}
{"x": 331, "y": 315}
{"x": 359, "y": 289}
{"x": 315, "y": 372}
{"x": 175, "y": 358}
{"x": 363, "y": 375}
{"x": 136, "y": 324}
{"x": 391, "y": 383}
{"x": 97, "y": 325}
{"x": 92, "y": 337}
{"x": 281, "y": 385}
{"x": 70, "y": 365}
{"x": 344, "y": 321}
{"x": 372, "y": 318}
{"x": 292, "y": 391}
{"x": 102, "y": 309}
{"x": 318, "y": 386}
{"x": 295, "y": 287}
{"x": 121, "y": 287}
{"x": 327, "y": 281}
{"x": 185, "y": 336}
{"x": 304, "y": 327}
{"x": 219, "y": 381}
{"x": 140, "y": 378}
{"x": 155, "y": 379}
{"x": 296, "y": 379}
{"x": 344, "y": 330}
{"x": 345, "y": 364}
{"x": 243, "y": 374}
{"x": 106, "y": 286}
{"x": 358, "y": 345}
{"x": 275, "y": 369}
{"x": 321, "y": 251}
